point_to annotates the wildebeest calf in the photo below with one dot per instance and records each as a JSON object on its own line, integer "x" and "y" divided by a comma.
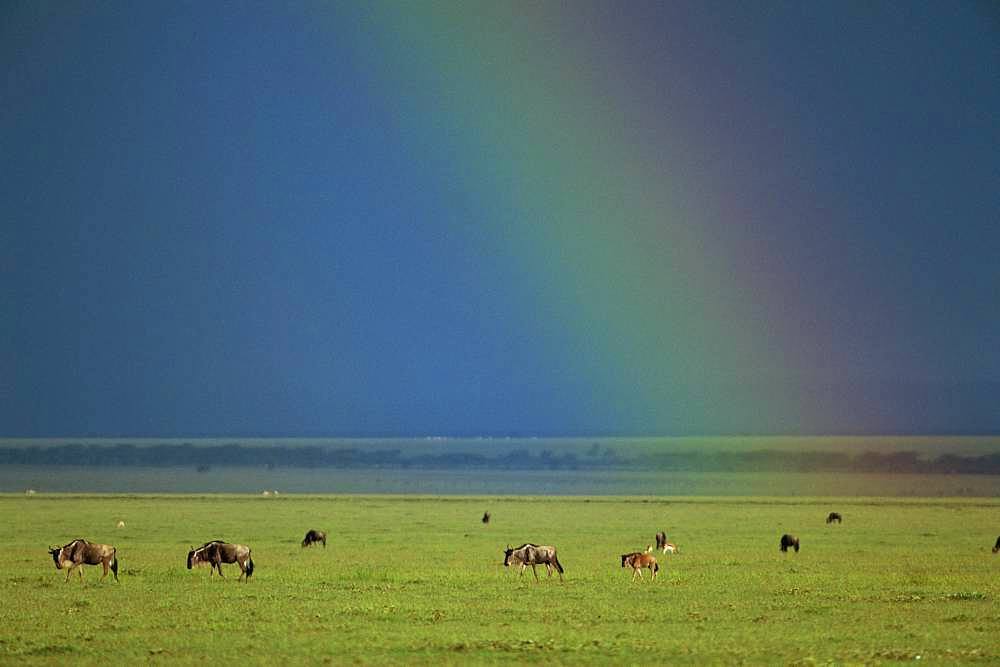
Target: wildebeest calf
{"x": 314, "y": 536}
{"x": 486, "y": 517}
{"x": 834, "y": 516}
{"x": 81, "y": 552}
{"x": 638, "y": 560}
{"x": 789, "y": 541}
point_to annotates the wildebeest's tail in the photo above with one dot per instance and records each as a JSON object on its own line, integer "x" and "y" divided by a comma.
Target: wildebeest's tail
{"x": 249, "y": 566}
{"x": 555, "y": 561}
{"x": 114, "y": 563}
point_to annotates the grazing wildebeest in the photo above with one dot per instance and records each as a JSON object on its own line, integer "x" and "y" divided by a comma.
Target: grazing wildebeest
{"x": 637, "y": 560}
{"x": 486, "y": 517}
{"x": 532, "y": 554}
{"x": 81, "y": 552}
{"x": 217, "y": 552}
{"x": 199, "y": 556}
{"x": 789, "y": 541}
{"x": 314, "y": 536}
{"x": 996, "y": 547}
{"x": 834, "y": 516}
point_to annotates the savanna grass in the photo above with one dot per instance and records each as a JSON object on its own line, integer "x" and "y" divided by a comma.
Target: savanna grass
{"x": 420, "y": 580}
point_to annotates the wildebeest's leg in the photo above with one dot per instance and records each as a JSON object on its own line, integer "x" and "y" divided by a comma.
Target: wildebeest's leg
{"x": 534, "y": 571}
{"x": 104, "y": 562}
{"x": 217, "y": 564}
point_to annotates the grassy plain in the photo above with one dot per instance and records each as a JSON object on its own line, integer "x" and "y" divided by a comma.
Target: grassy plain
{"x": 418, "y": 579}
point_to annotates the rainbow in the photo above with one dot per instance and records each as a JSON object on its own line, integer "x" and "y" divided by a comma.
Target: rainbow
{"x": 568, "y": 157}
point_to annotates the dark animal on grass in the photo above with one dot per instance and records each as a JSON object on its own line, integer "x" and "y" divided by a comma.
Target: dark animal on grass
{"x": 663, "y": 545}
{"x": 199, "y": 556}
{"x": 532, "y": 554}
{"x": 789, "y": 541}
{"x": 486, "y": 517}
{"x": 638, "y": 560}
{"x": 314, "y": 537}
{"x": 667, "y": 547}
{"x": 996, "y": 547}
{"x": 216, "y": 553}
{"x": 81, "y": 552}
{"x": 834, "y": 516}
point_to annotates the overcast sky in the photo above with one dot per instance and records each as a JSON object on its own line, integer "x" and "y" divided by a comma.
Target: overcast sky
{"x": 499, "y": 218}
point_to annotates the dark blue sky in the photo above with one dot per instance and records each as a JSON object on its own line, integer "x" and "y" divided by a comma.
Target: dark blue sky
{"x": 243, "y": 219}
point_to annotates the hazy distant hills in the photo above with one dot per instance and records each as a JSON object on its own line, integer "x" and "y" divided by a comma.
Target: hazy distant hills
{"x": 493, "y": 455}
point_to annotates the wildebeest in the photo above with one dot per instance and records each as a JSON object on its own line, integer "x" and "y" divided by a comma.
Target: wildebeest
{"x": 532, "y": 554}
{"x": 663, "y": 545}
{"x": 637, "y": 560}
{"x": 486, "y": 517}
{"x": 789, "y": 541}
{"x": 314, "y": 536}
{"x": 217, "y": 552}
{"x": 199, "y": 556}
{"x": 996, "y": 547}
{"x": 834, "y": 516}
{"x": 81, "y": 552}
{"x": 668, "y": 548}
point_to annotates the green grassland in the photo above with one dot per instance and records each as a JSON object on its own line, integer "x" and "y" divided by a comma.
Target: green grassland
{"x": 419, "y": 579}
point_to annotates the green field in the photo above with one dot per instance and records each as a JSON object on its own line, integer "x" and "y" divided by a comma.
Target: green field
{"x": 418, "y": 579}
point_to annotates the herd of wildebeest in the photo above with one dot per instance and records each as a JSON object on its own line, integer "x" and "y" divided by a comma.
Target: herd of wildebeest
{"x": 215, "y": 553}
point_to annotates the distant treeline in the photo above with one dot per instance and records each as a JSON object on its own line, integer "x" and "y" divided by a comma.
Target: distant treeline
{"x": 203, "y": 457}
